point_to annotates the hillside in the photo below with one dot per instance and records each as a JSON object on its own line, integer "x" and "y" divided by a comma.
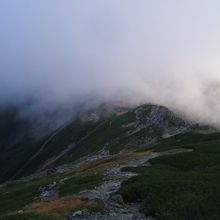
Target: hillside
{"x": 16, "y": 142}
{"x": 144, "y": 163}
{"x": 179, "y": 186}
{"x": 90, "y": 132}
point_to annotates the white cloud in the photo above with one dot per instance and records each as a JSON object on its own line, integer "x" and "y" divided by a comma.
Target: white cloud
{"x": 165, "y": 52}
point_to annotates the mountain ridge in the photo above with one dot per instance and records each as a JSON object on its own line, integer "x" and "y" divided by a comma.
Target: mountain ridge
{"x": 94, "y": 130}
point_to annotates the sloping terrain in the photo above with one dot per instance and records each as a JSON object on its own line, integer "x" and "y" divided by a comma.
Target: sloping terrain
{"x": 89, "y": 133}
{"x": 21, "y": 153}
{"x": 16, "y": 142}
{"x": 104, "y": 166}
{"x": 90, "y": 187}
{"x": 181, "y": 182}
{"x": 136, "y": 128}
{"x": 182, "y": 186}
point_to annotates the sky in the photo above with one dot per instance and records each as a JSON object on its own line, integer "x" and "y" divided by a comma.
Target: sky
{"x": 63, "y": 52}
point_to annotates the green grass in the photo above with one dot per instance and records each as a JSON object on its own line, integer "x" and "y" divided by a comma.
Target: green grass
{"x": 185, "y": 140}
{"x": 22, "y": 152}
{"x": 172, "y": 194}
{"x": 110, "y": 132}
{"x": 113, "y": 134}
{"x": 72, "y": 133}
{"x": 15, "y": 196}
{"x": 184, "y": 186}
{"x": 26, "y": 216}
{"x": 77, "y": 184}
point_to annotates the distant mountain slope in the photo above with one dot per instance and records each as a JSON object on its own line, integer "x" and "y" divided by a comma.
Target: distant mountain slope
{"x": 16, "y": 142}
{"x": 21, "y": 153}
{"x": 135, "y": 129}
{"x": 12, "y": 128}
{"x": 90, "y": 132}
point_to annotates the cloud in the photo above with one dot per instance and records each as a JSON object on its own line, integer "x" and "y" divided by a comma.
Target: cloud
{"x": 60, "y": 53}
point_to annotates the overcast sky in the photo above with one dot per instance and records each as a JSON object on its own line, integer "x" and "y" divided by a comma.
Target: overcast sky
{"x": 65, "y": 51}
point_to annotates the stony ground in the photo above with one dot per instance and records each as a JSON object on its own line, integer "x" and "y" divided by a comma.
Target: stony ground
{"x": 115, "y": 208}
{"x": 112, "y": 204}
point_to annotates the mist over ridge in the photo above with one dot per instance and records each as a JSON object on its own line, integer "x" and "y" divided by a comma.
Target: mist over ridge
{"x": 57, "y": 55}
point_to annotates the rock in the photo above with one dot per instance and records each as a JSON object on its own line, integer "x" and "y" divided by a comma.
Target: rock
{"x": 48, "y": 187}
{"x": 50, "y": 171}
{"x": 20, "y": 211}
{"x": 77, "y": 213}
{"x": 115, "y": 208}
{"x": 47, "y": 192}
{"x": 150, "y": 218}
{"x": 116, "y": 198}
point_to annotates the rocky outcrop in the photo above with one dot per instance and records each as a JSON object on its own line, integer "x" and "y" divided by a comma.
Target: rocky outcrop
{"x": 47, "y": 192}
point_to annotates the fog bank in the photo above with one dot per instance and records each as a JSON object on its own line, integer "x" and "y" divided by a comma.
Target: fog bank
{"x": 59, "y": 54}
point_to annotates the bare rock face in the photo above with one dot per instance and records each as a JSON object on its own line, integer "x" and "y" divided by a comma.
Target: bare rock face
{"x": 154, "y": 116}
{"x": 153, "y": 123}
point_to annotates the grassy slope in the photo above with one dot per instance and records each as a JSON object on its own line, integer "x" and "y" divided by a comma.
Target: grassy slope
{"x": 16, "y": 196}
{"x": 109, "y": 132}
{"x": 27, "y": 216}
{"x": 113, "y": 134}
{"x": 73, "y": 133}
{"x": 13, "y": 158}
{"x": 70, "y": 134}
{"x": 184, "y": 186}
{"x": 183, "y": 140}
{"x": 77, "y": 184}
{"x": 16, "y": 141}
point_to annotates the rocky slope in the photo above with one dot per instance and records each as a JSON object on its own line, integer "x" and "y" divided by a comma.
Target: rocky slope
{"x": 57, "y": 197}
{"x": 93, "y": 131}
{"x": 77, "y": 171}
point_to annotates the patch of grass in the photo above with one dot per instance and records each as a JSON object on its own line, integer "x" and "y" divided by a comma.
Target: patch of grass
{"x": 72, "y": 133}
{"x": 205, "y": 155}
{"x": 96, "y": 206}
{"x": 27, "y": 216}
{"x": 20, "y": 196}
{"x": 185, "y": 140}
{"x": 62, "y": 207}
{"x": 172, "y": 194}
{"x": 184, "y": 186}
{"x": 114, "y": 135}
{"x": 22, "y": 152}
{"x": 79, "y": 183}
{"x": 139, "y": 169}
{"x": 109, "y": 133}
{"x": 15, "y": 196}
{"x": 104, "y": 164}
